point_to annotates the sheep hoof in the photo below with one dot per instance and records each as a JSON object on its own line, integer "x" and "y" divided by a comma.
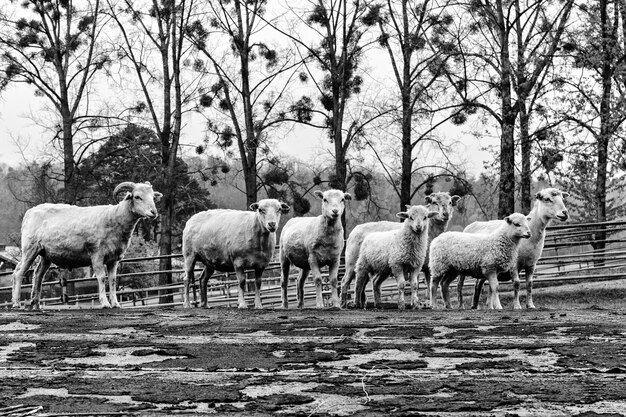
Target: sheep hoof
{"x": 461, "y": 307}
{"x": 116, "y": 305}
{"x": 258, "y": 306}
{"x": 300, "y": 306}
{"x": 284, "y": 306}
{"x": 517, "y": 306}
{"x": 531, "y": 307}
{"x": 401, "y": 306}
{"x": 243, "y": 306}
{"x": 186, "y": 305}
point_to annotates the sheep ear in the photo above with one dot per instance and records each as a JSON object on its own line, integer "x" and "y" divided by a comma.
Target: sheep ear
{"x": 432, "y": 214}
{"x": 402, "y": 215}
{"x": 157, "y": 196}
{"x": 347, "y": 196}
{"x": 428, "y": 199}
{"x": 318, "y": 194}
{"x": 408, "y": 206}
{"x": 254, "y": 206}
{"x": 529, "y": 218}
{"x": 564, "y": 194}
{"x": 455, "y": 199}
{"x": 538, "y": 196}
{"x": 128, "y": 196}
{"x": 284, "y": 207}
{"x": 147, "y": 183}
{"x": 508, "y": 220}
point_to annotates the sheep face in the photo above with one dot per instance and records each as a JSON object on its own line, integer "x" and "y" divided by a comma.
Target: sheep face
{"x": 442, "y": 203}
{"x": 518, "y": 225}
{"x": 551, "y": 204}
{"x": 333, "y": 202}
{"x": 416, "y": 217}
{"x": 268, "y": 212}
{"x": 142, "y": 198}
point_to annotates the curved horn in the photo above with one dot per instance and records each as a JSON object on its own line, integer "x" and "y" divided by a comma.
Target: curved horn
{"x": 123, "y": 187}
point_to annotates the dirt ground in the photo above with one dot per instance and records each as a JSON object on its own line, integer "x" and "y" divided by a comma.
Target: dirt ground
{"x": 312, "y": 363}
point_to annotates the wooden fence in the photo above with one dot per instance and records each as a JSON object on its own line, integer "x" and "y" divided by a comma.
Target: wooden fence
{"x": 572, "y": 253}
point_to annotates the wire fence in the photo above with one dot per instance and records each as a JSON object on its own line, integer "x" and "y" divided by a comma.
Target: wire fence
{"x": 572, "y": 253}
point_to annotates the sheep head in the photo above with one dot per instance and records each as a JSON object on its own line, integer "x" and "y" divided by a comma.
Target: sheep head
{"x": 333, "y": 202}
{"x": 416, "y": 217}
{"x": 268, "y": 212}
{"x": 141, "y": 197}
{"x": 443, "y": 203}
{"x": 518, "y": 226}
{"x": 550, "y": 204}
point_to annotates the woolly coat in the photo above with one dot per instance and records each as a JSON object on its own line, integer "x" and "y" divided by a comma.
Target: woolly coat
{"x": 318, "y": 237}
{"x": 382, "y": 250}
{"x": 225, "y": 240}
{"x": 476, "y": 255}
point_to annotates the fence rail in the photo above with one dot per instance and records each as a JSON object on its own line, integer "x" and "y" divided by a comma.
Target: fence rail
{"x": 571, "y": 254}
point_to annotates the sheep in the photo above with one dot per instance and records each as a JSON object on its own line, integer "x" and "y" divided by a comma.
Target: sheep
{"x": 441, "y": 202}
{"x": 548, "y": 205}
{"x": 310, "y": 243}
{"x": 231, "y": 240}
{"x": 399, "y": 252}
{"x": 479, "y": 255}
{"x": 72, "y": 237}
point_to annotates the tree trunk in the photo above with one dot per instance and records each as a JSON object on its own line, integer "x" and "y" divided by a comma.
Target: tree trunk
{"x": 69, "y": 193}
{"x": 407, "y": 151}
{"x": 506, "y": 196}
{"x": 605, "y": 128}
{"x": 526, "y": 144}
{"x": 250, "y": 173}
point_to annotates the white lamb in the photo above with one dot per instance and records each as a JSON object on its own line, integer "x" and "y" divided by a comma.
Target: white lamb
{"x": 311, "y": 243}
{"x": 477, "y": 255}
{"x": 399, "y": 252}
{"x": 441, "y": 202}
{"x": 548, "y": 205}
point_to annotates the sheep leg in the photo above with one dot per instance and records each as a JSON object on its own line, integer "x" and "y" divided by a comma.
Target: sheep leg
{"x": 478, "y": 287}
{"x": 434, "y": 285}
{"x": 445, "y": 290}
{"x": 190, "y": 264}
{"x": 347, "y": 279}
{"x": 241, "y": 278}
{"x": 204, "y": 282}
{"x": 459, "y": 291}
{"x": 516, "y": 285}
{"x": 359, "y": 290}
{"x": 258, "y": 274}
{"x": 494, "y": 301}
{"x": 28, "y": 258}
{"x": 317, "y": 279}
{"x": 304, "y": 273}
{"x": 415, "y": 286}
{"x": 100, "y": 272}
{"x": 403, "y": 275}
{"x": 112, "y": 273}
{"x": 377, "y": 281}
{"x": 530, "y": 274}
{"x": 333, "y": 271}
{"x": 40, "y": 271}
{"x": 284, "y": 281}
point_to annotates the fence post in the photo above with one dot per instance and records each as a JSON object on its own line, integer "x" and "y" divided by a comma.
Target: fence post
{"x": 63, "y": 282}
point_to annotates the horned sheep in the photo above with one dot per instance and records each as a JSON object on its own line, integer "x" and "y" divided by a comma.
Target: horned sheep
{"x": 72, "y": 237}
{"x": 549, "y": 205}
{"x": 231, "y": 241}
{"x": 311, "y": 243}
{"x": 441, "y": 202}
{"x": 477, "y": 255}
{"x": 399, "y": 252}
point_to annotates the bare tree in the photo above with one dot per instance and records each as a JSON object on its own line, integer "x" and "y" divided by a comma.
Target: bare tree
{"x": 53, "y": 46}
{"x": 506, "y": 49}
{"x": 159, "y": 26}
{"x": 250, "y": 95}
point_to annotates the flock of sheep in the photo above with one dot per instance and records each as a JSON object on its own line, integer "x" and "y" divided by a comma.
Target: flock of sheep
{"x": 236, "y": 241}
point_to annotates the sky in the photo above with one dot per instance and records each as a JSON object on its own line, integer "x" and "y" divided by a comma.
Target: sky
{"x": 20, "y": 133}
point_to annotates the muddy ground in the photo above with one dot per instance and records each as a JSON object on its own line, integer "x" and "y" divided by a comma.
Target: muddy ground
{"x": 310, "y": 362}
